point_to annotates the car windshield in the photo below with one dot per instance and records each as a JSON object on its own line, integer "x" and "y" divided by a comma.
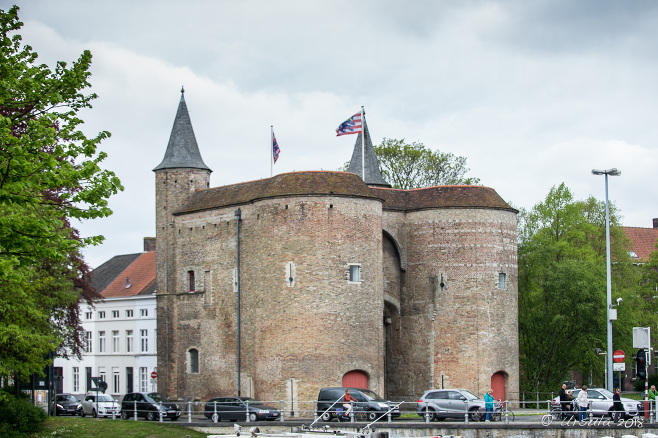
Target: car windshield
{"x": 105, "y": 398}
{"x": 371, "y": 396}
{"x": 154, "y": 396}
{"x": 469, "y": 395}
{"x": 66, "y": 398}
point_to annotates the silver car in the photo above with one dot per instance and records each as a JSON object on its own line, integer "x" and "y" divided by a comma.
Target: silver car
{"x": 440, "y": 404}
{"x": 600, "y": 403}
{"x": 99, "y": 405}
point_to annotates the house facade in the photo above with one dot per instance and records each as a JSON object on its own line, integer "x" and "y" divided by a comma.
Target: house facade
{"x": 120, "y": 330}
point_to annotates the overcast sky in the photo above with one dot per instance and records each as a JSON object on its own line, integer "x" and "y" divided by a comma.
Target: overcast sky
{"x": 532, "y": 93}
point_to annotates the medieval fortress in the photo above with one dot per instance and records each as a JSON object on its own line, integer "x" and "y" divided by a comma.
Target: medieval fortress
{"x": 310, "y": 279}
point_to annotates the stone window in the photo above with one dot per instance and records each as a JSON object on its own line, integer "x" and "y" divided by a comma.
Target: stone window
{"x": 115, "y": 314}
{"x": 501, "y": 280}
{"x": 354, "y": 273}
{"x": 101, "y": 314}
{"x": 101, "y": 341}
{"x": 129, "y": 313}
{"x": 190, "y": 281}
{"x": 193, "y": 360}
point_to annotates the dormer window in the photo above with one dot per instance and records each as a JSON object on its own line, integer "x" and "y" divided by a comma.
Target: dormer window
{"x": 633, "y": 255}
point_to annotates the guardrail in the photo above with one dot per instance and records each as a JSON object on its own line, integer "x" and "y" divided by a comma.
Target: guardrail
{"x": 217, "y": 411}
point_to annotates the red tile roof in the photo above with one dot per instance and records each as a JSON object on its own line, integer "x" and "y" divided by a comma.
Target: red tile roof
{"x": 140, "y": 274}
{"x": 441, "y": 197}
{"x": 643, "y": 241}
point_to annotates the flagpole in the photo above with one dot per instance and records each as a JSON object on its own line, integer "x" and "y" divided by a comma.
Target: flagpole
{"x": 271, "y": 150}
{"x": 363, "y": 145}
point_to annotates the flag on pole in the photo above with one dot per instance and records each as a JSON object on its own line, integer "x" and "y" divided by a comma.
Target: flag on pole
{"x": 353, "y": 125}
{"x": 275, "y": 148}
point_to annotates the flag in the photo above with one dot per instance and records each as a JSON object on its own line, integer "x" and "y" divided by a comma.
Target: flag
{"x": 275, "y": 148}
{"x": 353, "y": 125}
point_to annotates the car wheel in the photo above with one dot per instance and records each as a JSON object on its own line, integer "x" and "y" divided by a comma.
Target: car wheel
{"x": 150, "y": 416}
{"x": 326, "y": 416}
{"x": 93, "y": 413}
{"x": 253, "y": 417}
{"x": 372, "y": 415}
{"x": 427, "y": 412}
{"x": 215, "y": 418}
{"x": 124, "y": 415}
{"x": 475, "y": 415}
{"x": 175, "y": 418}
{"x": 82, "y": 413}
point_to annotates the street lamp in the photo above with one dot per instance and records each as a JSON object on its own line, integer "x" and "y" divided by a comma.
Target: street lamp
{"x": 608, "y": 365}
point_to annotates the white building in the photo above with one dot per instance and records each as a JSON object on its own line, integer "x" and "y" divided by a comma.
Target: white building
{"x": 120, "y": 330}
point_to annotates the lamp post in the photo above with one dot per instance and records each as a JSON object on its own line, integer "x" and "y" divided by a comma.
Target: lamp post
{"x": 608, "y": 364}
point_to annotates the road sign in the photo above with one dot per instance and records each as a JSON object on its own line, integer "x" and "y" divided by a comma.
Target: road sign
{"x": 154, "y": 375}
{"x": 618, "y": 356}
{"x": 619, "y": 367}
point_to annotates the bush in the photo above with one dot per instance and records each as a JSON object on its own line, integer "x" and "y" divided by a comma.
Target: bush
{"x": 18, "y": 417}
{"x": 639, "y": 384}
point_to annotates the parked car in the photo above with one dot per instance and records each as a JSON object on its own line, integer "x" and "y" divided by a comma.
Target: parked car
{"x": 102, "y": 405}
{"x": 600, "y": 403}
{"x": 236, "y": 408}
{"x": 440, "y": 404}
{"x": 66, "y": 404}
{"x": 330, "y": 399}
{"x": 149, "y": 405}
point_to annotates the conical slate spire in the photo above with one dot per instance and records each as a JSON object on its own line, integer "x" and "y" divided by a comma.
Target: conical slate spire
{"x": 182, "y": 150}
{"x": 373, "y": 175}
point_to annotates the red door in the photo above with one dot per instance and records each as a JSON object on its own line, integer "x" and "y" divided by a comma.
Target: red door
{"x": 498, "y": 385}
{"x": 355, "y": 379}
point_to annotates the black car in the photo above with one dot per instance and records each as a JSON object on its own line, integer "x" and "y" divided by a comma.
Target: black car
{"x": 367, "y": 402}
{"x": 235, "y": 409}
{"x": 67, "y": 404}
{"x": 149, "y": 405}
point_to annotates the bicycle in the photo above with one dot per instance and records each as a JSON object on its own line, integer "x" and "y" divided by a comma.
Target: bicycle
{"x": 499, "y": 411}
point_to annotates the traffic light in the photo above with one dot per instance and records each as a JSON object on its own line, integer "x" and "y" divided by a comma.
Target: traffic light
{"x": 641, "y": 361}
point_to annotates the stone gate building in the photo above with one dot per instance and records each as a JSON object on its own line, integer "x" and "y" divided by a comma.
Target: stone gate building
{"x": 277, "y": 287}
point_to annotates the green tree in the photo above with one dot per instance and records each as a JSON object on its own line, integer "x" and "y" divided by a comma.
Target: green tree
{"x": 50, "y": 174}
{"x": 410, "y": 166}
{"x": 562, "y": 289}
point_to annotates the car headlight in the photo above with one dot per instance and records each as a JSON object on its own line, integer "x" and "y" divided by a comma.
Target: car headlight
{"x": 383, "y": 405}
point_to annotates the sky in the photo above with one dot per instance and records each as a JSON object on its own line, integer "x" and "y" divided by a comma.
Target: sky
{"x": 532, "y": 93}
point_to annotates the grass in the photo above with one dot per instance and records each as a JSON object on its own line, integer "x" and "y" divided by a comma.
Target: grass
{"x": 75, "y": 427}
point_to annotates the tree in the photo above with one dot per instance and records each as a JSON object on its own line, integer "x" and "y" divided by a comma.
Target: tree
{"x": 562, "y": 288}
{"x": 50, "y": 174}
{"x": 410, "y": 166}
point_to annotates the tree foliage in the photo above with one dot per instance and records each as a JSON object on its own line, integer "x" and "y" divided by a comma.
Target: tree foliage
{"x": 50, "y": 174}
{"x": 562, "y": 289}
{"x": 410, "y": 166}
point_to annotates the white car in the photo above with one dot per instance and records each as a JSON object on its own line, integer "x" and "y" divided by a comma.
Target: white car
{"x": 104, "y": 406}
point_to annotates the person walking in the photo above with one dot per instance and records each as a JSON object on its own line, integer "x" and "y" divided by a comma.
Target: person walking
{"x": 564, "y": 399}
{"x": 488, "y": 403}
{"x": 617, "y": 407}
{"x": 652, "y": 398}
{"x": 583, "y": 403}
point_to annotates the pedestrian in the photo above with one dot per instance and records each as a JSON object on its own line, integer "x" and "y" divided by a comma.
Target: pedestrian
{"x": 347, "y": 402}
{"x": 617, "y": 407}
{"x": 583, "y": 403}
{"x": 488, "y": 403}
{"x": 564, "y": 399}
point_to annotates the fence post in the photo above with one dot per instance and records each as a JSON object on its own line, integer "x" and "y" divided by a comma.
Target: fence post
{"x": 215, "y": 416}
{"x": 652, "y": 411}
{"x": 189, "y": 411}
{"x": 506, "y": 412}
{"x": 315, "y": 411}
{"x": 388, "y": 414}
{"x": 135, "y": 410}
{"x": 465, "y": 411}
{"x": 247, "y": 402}
{"x": 427, "y": 415}
{"x": 537, "y": 399}
{"x": 281, "y": 410}
{"x": 160, "y": 411}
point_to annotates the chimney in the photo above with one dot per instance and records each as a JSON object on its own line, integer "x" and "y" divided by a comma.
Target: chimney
{"x": 655, "y": 222}
{"x": 149, "y": 244}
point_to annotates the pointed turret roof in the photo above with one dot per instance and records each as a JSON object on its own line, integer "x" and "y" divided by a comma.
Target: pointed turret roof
{"x": 182, "y": 150}
{"x": 373, "y": 176}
